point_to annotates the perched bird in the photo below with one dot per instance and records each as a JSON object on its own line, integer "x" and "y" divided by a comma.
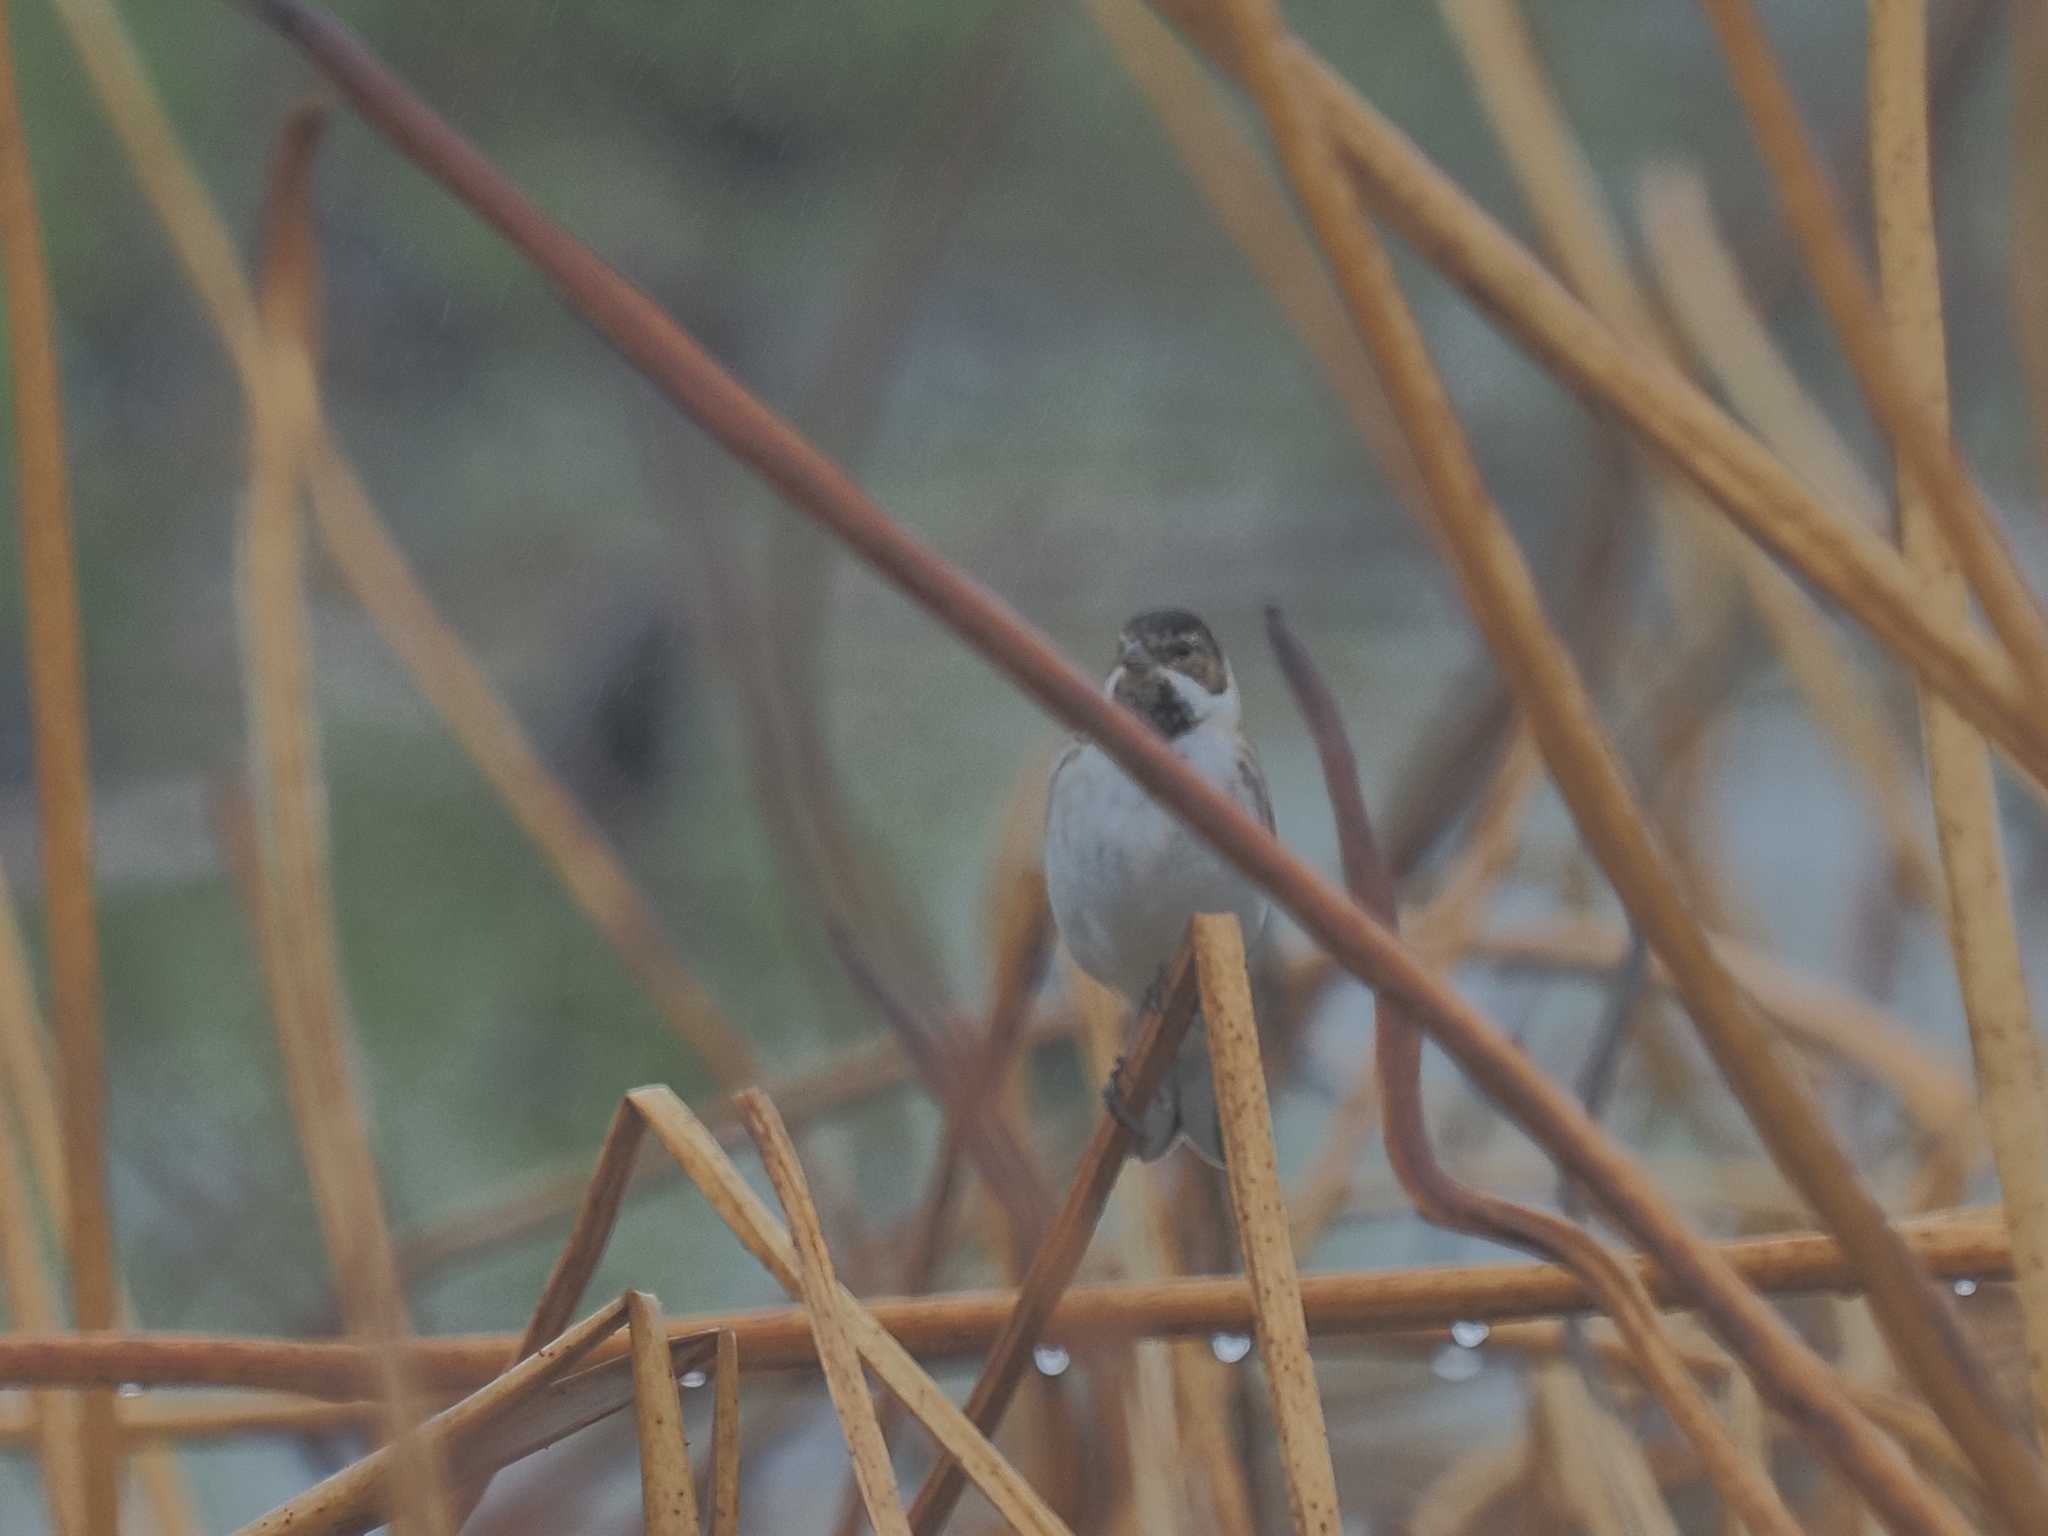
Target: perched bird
{"x": 1124, "y": 875}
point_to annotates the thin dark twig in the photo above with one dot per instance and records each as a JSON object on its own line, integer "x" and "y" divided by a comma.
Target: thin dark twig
{"x": 1596, "y": 1085}
{"x": 1006, "y": 1166}
{"x": 1159, "y": 1037}
{"x": 1443, "y": 776}
{"x": 1610, "y": 1034}
{"x": 1441, "y": 1198}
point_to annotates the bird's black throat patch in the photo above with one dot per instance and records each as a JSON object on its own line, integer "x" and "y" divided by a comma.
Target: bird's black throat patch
{"x": 1150, "y": 693}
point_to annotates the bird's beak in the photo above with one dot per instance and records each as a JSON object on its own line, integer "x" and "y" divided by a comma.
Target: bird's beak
{"x": 1133, "y": 655}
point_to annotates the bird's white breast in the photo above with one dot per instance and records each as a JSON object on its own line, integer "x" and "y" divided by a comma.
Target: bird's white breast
{"x": 1124, "y": 876}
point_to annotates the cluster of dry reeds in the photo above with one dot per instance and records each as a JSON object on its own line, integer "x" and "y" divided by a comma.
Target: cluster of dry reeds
{"x": 1751, "y": 1405}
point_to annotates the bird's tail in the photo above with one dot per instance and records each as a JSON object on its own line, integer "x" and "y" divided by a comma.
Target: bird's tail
{"x": 1184, "y": 1108}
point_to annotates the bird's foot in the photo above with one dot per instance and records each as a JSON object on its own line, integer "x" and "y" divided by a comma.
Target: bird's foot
{"x": 1118, "y": 1103}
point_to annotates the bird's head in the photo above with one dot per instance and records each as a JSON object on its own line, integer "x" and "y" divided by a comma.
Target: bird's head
{"x": 1170, "y": 670}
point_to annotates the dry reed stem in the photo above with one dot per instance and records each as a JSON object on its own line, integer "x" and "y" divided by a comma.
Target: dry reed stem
{"x": 1918, "y": 433}
{"x": 1158, "y": 1483}
{"x": 820, "y": 1292}
{"x": 676, "y": 364}
{"x": 1202, "y": 1390}
{"x": 1564, "y": 196}
{"x": 25, "y": 1061}
{"x": 1904, "y": 1418}
{"x": 357, "y": 1496}
{"x": 937, "y": 170}
{"x": 575, "y": 848}
{"x": 145, "y": 1422}
{"x": 1814, "y": 1013}
{"x": 202, "y": 243}
{"x": 32, "y": 1308}
{"x": 707, "y": 1166}
{"x": 56, "y": 677}
{"x": 1704, "y": 291}
{"x": 31, "y": 1089}
{"x": 596, "y": 1215}
{"x": 1971, "y": 1245}
{"x": 1982, "y": 935}
{"x": 1140, "y": 1236}
{"x": 1503, "y": 599}
{"x": 1704, "y": 557}
{"x": 1158, "y": 1039}
{"x": 530, "y": 1202}
{"x": 1253, "y": 210}
{"x": 31, "y": 1302}
{"x": 375, "y": 568}
{"x": 175, "y": 193}
{"x": 1439, "y": 932}
{"x": 1442, "y": 1199}
{"x": 1469, "y": 1488}
{"x": 668, "y": 1492}
{"x": 1597, "y": 1468}
{"x": 1253, "y": 1171}
{"x": 1745, "y": 1415}
{"x": 1020, "y": 929}
{"x": 1703, "y": 288}
{"x": 1773, "y": 505}
{"x": 293, "y": 886}
{"x": 725, "y": 1437}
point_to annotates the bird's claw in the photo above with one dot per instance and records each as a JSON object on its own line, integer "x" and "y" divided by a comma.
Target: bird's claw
{"x": 1117, "y": 1102}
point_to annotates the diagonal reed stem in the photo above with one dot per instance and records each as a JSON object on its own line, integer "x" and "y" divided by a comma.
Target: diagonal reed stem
{"x": 1982, "y": 935}
{"x": 56, "y": 668}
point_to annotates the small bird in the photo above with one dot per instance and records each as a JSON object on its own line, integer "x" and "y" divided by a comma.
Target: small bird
{"x": 1124, "y": 875}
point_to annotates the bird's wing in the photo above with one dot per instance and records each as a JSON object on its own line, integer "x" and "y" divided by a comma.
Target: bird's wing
{"x": 1251, "y": 783}
{"x": 1068, "y": 753}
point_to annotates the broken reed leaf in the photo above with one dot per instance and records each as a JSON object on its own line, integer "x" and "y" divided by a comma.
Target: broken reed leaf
{"x": 565, "y": 1406}
{"x": 358, "y": 1495}
{"x": 668, "y": 1491}
{"x": 733, "y": 1199}
{"x": 837, "y": 1354}
{"x": 523, "y": 1205}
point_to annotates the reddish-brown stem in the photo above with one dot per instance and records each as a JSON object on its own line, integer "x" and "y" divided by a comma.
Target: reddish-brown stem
{"x": 646, "y": 336}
